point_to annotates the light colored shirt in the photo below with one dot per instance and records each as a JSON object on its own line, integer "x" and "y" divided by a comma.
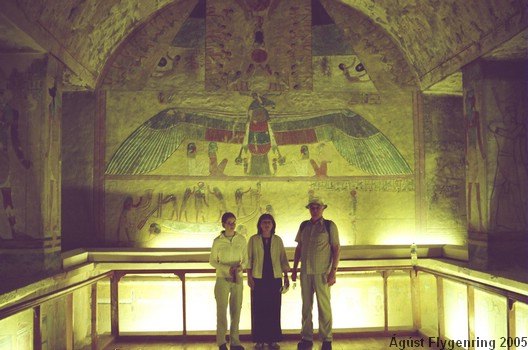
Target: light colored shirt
{"x": 279, "y": 260}
{"x": 227, "y": 252}
{"x": 316, "y": 246}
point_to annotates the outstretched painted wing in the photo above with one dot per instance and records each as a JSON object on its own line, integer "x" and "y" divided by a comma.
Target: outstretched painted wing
{"x": 356, "y": 139}
{"x": 151, "y": 144}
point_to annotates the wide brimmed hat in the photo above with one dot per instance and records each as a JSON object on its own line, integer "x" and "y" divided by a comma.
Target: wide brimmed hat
{"x": 317, "y": 201}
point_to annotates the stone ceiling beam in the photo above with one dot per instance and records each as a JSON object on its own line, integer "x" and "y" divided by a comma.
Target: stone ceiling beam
{"x": 48, "y": 42}
{"x": 502, "y": 33}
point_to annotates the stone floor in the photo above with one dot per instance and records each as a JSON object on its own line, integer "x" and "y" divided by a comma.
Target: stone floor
{"x": 359, "y": 343}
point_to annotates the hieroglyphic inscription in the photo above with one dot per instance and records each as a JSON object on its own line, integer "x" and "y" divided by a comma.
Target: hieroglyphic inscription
{"x": 388, "y": 185}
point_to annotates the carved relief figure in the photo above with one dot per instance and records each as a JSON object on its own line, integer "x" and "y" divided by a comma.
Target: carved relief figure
{"x": 9, "y": 138}
{"x": 257, "y": 196}
{"x": 302, "y": 165}
{"x": 200, "y": 201}
{"x": 222, "y": 207}
{"x": 215, "y": 168}
{"x": 474, "y": 152}
{"x": 239, "y": 200}
{"x": 259, "y": 138}
{"x": 507, "y": 198}
{"x": 183, "y": 209}
{"x": 173, "y": 200}
{"x": 192, "y": 167}
{"x": 321, "y": 169}
{"x": 126, "y": 226}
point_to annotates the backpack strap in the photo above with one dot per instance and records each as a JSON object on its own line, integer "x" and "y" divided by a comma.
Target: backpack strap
{"x": 303, "y": 225}
{"x": 327, "y": 224}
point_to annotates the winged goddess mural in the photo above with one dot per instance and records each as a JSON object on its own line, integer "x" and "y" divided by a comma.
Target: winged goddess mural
{"x": 260, "y": 135}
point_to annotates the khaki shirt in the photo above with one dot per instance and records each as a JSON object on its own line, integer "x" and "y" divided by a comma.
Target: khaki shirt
{"x": 316, "y": 246}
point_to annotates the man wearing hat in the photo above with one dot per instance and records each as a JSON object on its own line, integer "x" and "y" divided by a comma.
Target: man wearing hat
{"x": 318, "y": 251}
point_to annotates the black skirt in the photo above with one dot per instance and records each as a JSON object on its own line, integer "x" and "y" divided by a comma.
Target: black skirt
{"x": 266, "y": 310}
{"x": 266, "y": 300}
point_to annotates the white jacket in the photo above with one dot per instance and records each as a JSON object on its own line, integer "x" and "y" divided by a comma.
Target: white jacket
{"x": 279, "y": 260}
{"x": 226, "y": 253}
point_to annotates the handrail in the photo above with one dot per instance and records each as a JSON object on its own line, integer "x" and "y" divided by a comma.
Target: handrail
{"x": 28, "y": 304}
{"x": 496, "y": 290}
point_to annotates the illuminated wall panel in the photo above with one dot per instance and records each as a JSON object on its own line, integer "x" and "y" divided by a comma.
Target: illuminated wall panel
{"x": 82, "y": 320}
{"x": 456, "y": 310}
{"x": 357, "y": 301}
{"x": 16, "y": 332}
{"x": 201, "y": 301}
{"x": 201, "y": 304}
{"x": 399, "y": 300}
{"x": 53, "y": 324}
{"x": 428, "y": 304}
{"x": 521, "y": 320}
{"x": 103, "y": 307}
{"x": 150, "y": 304}
{"x": 291, "y": 312}
{"x": 491, "y": 316}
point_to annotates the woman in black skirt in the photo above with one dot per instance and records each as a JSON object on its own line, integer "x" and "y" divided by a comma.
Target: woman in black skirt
{"x": 267, "y": 264}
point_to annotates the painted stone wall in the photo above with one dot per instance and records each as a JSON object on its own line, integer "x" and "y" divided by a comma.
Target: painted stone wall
{"x": 30, "y": 173}
{"x": 444, "y": 145}
{"x": 172, "y": 169}
{"x": 504, "y": 97}
{"x": 495, "y": 107}
{"x": 497, "y": 180}
{"x": 253, "y": 109}
{"x": 78, "y": 170}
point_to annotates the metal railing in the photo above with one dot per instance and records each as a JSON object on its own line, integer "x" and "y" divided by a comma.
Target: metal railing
{"x": 115, "y": 274}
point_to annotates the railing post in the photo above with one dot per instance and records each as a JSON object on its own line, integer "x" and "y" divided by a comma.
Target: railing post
{"x": 93, "y": 310}
{"x": 441, "y": 306}
{"x": 69, "y": 321}
{"x": 511, "y": 322}
{"x": 37, "y": 329}
{"x": 471, "y": 314}
{"x": 385, "y": 276}
{"x": 415, "y": 299}
{"x": 114, "y": 303}
{"x": 181, "y": 275}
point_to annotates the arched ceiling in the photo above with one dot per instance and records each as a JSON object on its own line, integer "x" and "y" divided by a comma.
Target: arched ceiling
{"x": 401, "y": 43}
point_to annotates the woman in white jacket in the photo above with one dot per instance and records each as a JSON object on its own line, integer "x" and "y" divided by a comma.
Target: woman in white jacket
{"x": 267, "y": 263}
{"x": 229, "y": 258}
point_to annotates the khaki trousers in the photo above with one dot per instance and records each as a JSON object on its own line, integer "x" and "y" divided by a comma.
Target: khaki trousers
{"x": 310, "y": 285}
{"x": 228, "y": 293}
